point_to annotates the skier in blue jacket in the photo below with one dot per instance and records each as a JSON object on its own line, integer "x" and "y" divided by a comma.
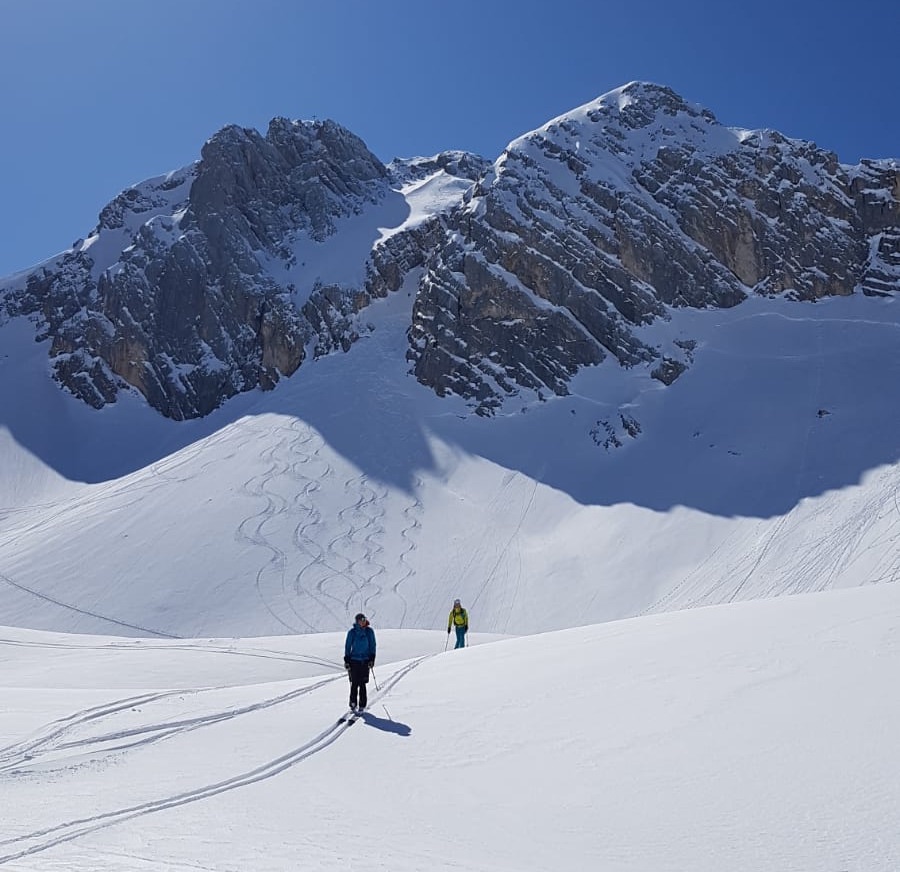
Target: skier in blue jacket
{"x": 359, "y": 657}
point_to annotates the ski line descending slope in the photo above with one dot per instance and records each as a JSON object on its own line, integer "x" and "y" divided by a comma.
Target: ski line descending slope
{"x": 510, "y": 565}
{"x": 776, "y": 558}
{"x": 357, "y": 517}
{"x": 37, "y": 841}
{"x": 115, "y": 621}
{"x": 484, "y": 552}
{"x": 253, "y": 530}
{"x": 311, "y": 566}
{"x": 413, "y": 514}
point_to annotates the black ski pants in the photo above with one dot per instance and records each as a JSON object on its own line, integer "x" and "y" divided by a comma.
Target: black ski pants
{"x": 359, "y": 677}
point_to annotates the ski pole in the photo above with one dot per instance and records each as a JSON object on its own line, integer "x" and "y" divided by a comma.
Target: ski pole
{"x": 447, "y": 641}
{"x": 378, "y": 688}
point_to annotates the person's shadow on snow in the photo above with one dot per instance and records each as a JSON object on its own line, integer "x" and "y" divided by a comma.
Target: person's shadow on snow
{"x": 387, "y": 726}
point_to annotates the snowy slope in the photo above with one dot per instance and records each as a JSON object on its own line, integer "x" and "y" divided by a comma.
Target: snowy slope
{"x": 745, "y": 737}
{"x": 771, "y": 470}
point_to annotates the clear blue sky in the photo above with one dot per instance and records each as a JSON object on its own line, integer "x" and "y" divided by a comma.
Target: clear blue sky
{"x": 99, "y": 94}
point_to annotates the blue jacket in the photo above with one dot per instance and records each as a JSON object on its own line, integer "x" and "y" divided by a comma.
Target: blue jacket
{"x": 360, "y": 643}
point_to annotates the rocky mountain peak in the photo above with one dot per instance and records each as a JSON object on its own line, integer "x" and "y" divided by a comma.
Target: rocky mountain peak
{"x": 601, "y": 220}
{"x": 207, "y": 281}
{"x": 301, "y": 174}
{"x": 194, "y": 285}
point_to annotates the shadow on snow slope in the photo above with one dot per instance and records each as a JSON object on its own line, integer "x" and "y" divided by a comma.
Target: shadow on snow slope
{"x": 783, "y": 401}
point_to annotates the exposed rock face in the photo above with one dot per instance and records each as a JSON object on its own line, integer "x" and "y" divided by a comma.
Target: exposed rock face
{"x": 192, "y": 303}
{"x": 589, "y": 227}
{"x": 875, "y": 187}
{"x": 195, "y": 286}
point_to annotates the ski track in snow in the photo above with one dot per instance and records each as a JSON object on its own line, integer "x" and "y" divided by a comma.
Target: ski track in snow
{"x": 71, "y": 608}
{"x": 361, "y": 516}
{"x": 797, "y": 564}
{"x": 253, "y": 530}
{"x": 62, "y": 735}
{"x": 809, "y": 566}
{"x": 309, "y": 471}
{"x": 26, "y": 755}
{"x": 137, "y": 645}
{"x": 413, "y": 513}
{"x": 302, "y": 579}
{"x": 507, "y": 557}
{"x": 816, "y": 393}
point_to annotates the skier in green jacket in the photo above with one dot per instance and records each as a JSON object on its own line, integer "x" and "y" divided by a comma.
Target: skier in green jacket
{"x": 459, "y": 618}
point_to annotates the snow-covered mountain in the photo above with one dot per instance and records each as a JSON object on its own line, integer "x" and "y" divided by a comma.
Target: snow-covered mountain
{"x": 613, "y": 214}
{"x": 226, "y": 275}
{"x": 630, "y": 486}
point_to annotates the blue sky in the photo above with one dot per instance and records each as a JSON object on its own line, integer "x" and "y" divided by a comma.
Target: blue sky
{"x": 100, "y": 94}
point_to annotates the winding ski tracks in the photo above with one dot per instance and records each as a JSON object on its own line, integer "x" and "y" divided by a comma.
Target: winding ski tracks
{"x": 316, "y": 568}
{"x": 356, "y": 546}
{"x": 39, "y": 840}
{"x": 270, "y": 580}
{"x": 413, "y": 515}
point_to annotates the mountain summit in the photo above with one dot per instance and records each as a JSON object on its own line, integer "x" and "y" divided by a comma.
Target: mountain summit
{"x": 602, "y": 219}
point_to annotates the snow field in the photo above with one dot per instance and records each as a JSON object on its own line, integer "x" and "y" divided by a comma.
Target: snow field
{"x": 752, "y": 736}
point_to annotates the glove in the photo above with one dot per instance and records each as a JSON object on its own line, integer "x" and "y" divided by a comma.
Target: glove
{"x": 465, "y": 630}
{"x": 346, "y": 663}
{"x": 448, "y": 631}
{"x": 372, "y": 663}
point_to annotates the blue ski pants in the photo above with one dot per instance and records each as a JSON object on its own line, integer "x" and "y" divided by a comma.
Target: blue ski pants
{"x": 460, "y": 638}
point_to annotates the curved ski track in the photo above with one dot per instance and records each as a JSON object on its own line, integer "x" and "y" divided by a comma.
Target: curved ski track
{"x": 52, "y": 737}
{"x": 313, "y": 569}
{"x": 413, "y": 514}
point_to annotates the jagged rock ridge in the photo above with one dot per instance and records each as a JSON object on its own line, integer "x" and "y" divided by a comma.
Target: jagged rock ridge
{"x": 194, "y": 286}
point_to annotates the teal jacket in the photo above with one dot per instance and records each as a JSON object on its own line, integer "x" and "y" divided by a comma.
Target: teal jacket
{"x": 360, "y": 644}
